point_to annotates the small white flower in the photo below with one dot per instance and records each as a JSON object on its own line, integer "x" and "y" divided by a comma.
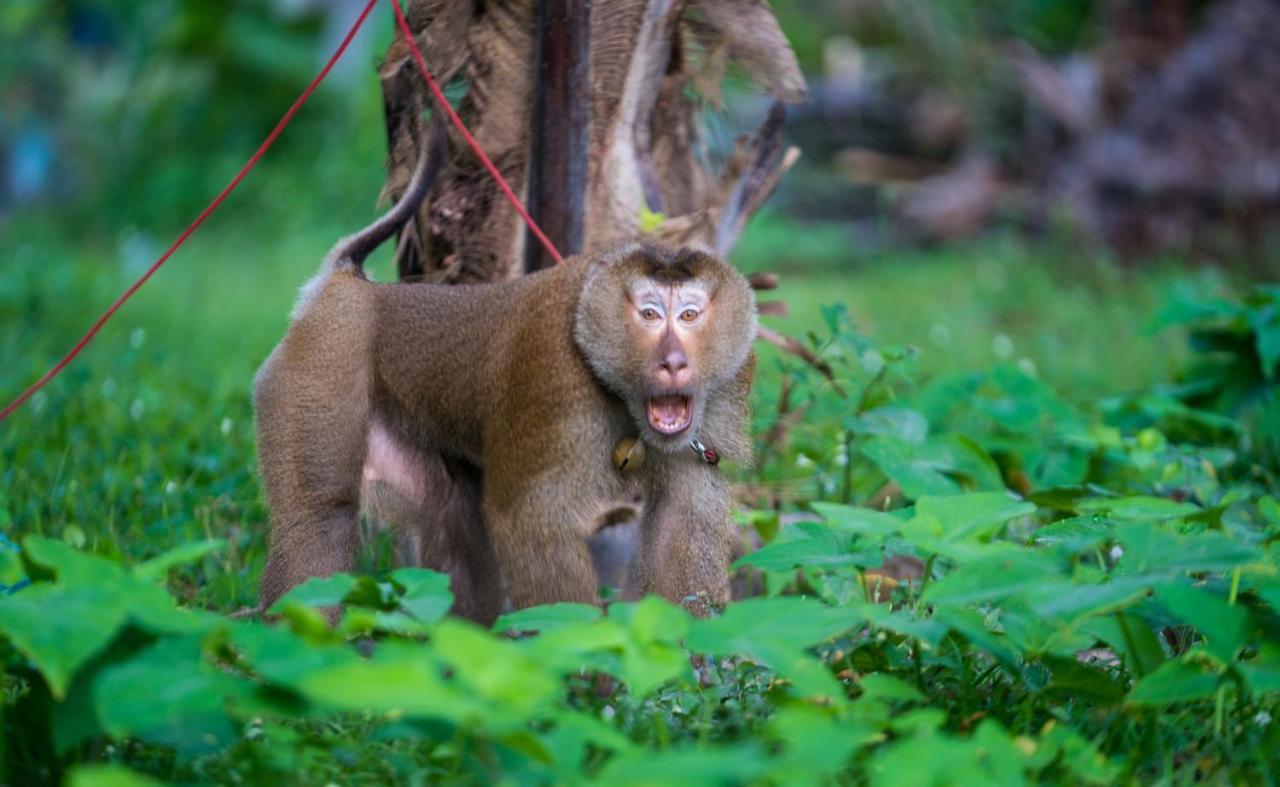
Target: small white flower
{"x": 137, "y": 338}
{"x": 1262, "y": 718}
{"x": 607, "y": 712}
{"x": 171, "y": 488}
{"x": 804, "y": 461}
{"x": 1117, "y": 552}
{"x": 226, "y": 427}
{"x": 1002, "y": 346}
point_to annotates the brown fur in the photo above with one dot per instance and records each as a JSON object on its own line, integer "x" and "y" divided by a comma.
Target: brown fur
{"x": 508, "y": 398}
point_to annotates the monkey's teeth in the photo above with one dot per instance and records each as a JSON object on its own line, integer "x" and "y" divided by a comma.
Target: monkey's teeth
{"x": 669, "y": 414}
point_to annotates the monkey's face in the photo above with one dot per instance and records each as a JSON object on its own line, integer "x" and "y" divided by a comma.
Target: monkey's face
{"x": 665, "y": 329}
{"x": 666, "y": 321}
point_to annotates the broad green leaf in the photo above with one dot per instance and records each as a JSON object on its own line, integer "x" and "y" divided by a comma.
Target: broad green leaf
{"x": 973, "y": 516}
{"x": 72, "y": 567}
{"x": 815, "y": 744}
{"x": 689, "y": 767}
{"x": 788, "y": 620}
{"x": 60, "y": 628}
{"x": 497, "y": 670}
{"x": 108, "y": 775}
{"x": 812, "y": 545}
{"x": 1174, "y": 681}
{"x": 928, "y": 630}
{"x": 1150, "y": 550}
{"x": 1075, "y": 534}
{"x": 879, "y": 686}
{"x": 971, "y": 624}
{"x": 995, "y": 577}
{"x": 1131, "y": 637}
{"x": 653, "y": 619}
{"x": 426, "y": 593}
{"x": 1073, "y": 679}
{"x": 859, "y": 521}
{"x": 158, "y": 566}
{"x": 280, "y": 656}
{"x": 917, "y": 473}
{"x": 1065, "y": 599}
{"x": 547, "y": 617}
{"x": 398, "y": 678}
{"x": 1262, "y": 672}
{"x": 900, "y": 422}
{"x": 1225, "y": 627}
{"x": 169, "y": 694}
{"x": 1139, "y": 508}
{"x": 317, "y": 592}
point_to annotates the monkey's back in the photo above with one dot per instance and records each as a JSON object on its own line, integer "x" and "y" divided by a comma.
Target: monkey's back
{"x": 510, "y": 355}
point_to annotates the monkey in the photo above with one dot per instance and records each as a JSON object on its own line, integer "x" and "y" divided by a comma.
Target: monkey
{"x": 509, "y": 400}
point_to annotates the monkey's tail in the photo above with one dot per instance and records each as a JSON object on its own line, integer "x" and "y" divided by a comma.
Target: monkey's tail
{"x": 353, "y": 249}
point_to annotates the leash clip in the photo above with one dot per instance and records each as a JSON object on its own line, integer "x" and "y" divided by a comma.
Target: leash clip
{"x": 707, "y": 455}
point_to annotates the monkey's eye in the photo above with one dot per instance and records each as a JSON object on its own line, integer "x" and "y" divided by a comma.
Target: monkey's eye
{"x": 689, "y": 315}
{"x": 649, "y": 314}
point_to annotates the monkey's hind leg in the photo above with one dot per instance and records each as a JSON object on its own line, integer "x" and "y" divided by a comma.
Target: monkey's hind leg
{"x": 312, "y": 415}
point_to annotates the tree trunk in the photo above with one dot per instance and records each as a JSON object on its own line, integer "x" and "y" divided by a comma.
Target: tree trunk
{"x": 602, "y": 138}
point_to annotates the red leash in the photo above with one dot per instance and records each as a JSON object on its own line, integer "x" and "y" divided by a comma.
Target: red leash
{"x": 462, "y": 129}
{"x": 252, "y": 162}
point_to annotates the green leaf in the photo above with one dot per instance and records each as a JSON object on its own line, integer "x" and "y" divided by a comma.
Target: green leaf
{"x": 496, "y": 670}
{"x": 108, "y": 775}
{"x": 547, "y": 617}
{"x": 1262, "y": 672}
{"x": 1072, "y": 679}
{"x": 978, "y": 515}
{"x": 157, "y": 567}
{"x": 879, "y": 686}
{"x": 995, "y": 577}
{"x": 169, "y": 694}
{"x": 815, "y": 745}
{"x": 1174, "y": 681}
{"x": 426, "y": 593}
{"x": 60, "y": 628}
{"x": 1075, "y": 534}
{"x": 1225, "y": 627}
{"x": 398, "y": 678}
{"x": 690, "y": 767}
{"x": 917, "y": 473}
{"x": 71, "y": 566}
{"x": 859, "y": 521}
{"x": 1150, "y": 550}
{"x": 1140, "y": 508}
{"x": 1130, "y": 636}
{"x": 317, "y": 592}
{"x": 900, "y": 422}
{"x": 809, "y": 544}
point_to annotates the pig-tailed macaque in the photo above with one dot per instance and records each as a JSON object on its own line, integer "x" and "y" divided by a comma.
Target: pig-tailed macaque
{"x": 532, "y": 412}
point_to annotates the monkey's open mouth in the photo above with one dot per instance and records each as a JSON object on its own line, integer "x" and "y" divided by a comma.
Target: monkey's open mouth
{"x": 669, "y": 414}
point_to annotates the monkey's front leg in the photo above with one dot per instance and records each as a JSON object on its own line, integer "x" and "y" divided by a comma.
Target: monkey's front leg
{"x": 686, "y": 537}
{"x": 540, "y": 543}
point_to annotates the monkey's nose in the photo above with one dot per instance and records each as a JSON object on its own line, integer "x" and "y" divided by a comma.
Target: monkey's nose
{"x": 675, "y": 367}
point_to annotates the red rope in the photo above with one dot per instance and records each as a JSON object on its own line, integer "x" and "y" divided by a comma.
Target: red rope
{"x": 253, "y": 161}
{"x": 462, "y": 129}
